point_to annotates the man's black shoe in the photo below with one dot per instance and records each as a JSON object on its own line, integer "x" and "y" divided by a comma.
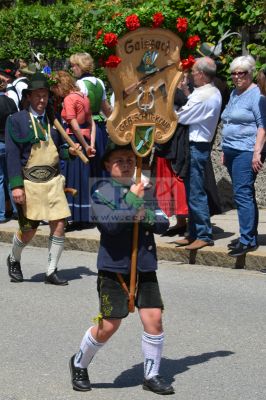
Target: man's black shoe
{"x": 14, "y": 270}
{"x": 173, "y": 231}
{"x": 234, "y": 243}
{"x": 158, "y": 385}
{"x": 53, "y": 279}
{"x": 241, "y": 249}
{"x": 79, "y": 377}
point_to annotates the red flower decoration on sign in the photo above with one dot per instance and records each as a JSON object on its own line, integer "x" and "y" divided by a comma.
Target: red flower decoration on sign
{"x": 107, "y": 42}
{"x": 110, "y": 39}
{"x": 157, "y": 19}
{"x": 181, "y": 24}
{"x": 187, "y": 63}
{"x": 99, "y": 34}
{"x": 112, "y": 61}
{"x": 132, "y": 22}
{"x": 192, "y": 42}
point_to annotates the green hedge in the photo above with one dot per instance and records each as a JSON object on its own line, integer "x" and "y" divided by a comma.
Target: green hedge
{"x": 68, "y": 26}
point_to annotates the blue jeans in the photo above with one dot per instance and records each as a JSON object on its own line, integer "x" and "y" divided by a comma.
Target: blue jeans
{"x": 4, "y": 188}
{"x": 199, "y": 214}
{"x": 239, "y": 166}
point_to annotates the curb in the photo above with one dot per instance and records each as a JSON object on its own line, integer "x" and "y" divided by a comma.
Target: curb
{"x": 212, "y": 256}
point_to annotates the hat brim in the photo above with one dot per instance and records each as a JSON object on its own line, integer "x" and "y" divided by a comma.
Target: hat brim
{"x": 36, "y": 86}
{"x": 110, "y": 150}
{"x": 26, "y": 71}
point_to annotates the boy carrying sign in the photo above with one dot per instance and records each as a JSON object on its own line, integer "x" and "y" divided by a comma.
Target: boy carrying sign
{"x": 118, "y": 203}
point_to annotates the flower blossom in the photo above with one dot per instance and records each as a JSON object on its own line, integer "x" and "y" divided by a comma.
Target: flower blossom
{"x": 157, "y": 19}
{"x": 112, "y": 61}
{"x": 181, "y": 24}
{"x": 110, "y": 39}
{"x": 192, "y": 41}
{"x": 132, "y": 22}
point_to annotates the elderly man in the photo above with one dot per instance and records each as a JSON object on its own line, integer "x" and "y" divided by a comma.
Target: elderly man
{"x": 32, "y": 147}
{"x": 201, "y": 114}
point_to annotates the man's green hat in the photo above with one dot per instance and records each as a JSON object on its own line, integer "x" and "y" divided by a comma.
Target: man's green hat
{"x": 29, "y": 70}
{"x": 37, "y": 81}
{"x": 110, "y": 147}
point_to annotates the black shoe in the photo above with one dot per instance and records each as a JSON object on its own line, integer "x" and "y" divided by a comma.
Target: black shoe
{"x": 53, "y": 279}
{"x": 242, "y": 249}
{"x": 173, "y": 231}
{"x": 70, "y": 226}
{"x": 14, "y": 270}
{"x": 14, "y": 216}
{"x": 234, "y": 243}
{"x": 79, "y": 377}
{"x": 158, "y": 385}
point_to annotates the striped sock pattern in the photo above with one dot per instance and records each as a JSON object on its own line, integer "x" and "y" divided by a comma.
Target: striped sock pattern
{"x": 152, "y": 347}
{"x": 88, "y": 348}
{"x": 17, "y": 248}
{"x": 55, "y": 248}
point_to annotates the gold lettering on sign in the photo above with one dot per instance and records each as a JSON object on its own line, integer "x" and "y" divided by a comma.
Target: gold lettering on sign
{"x": 132, "y": 45}
{"x": 138, "y": 117}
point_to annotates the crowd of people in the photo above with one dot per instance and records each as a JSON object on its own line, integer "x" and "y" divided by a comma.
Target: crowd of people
{"x": 38, "y": 166}
{"x": 182, "y": 168}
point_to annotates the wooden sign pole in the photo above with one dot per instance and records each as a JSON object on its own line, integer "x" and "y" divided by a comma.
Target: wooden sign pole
{"x": 134, "y": 255}
{"x": 70, "y": 141}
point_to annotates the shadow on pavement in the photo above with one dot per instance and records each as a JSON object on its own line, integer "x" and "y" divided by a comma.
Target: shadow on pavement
{"x": 169, "y": 368}
{"x": 219, "y": 233}
{"x": 70, "y": 274}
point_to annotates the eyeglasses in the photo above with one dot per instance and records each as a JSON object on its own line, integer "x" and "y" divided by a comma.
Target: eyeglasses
{"x": 240, "y": 74}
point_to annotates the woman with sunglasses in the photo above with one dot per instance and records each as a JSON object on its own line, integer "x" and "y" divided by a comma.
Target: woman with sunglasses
{"x": 242, "y": 123}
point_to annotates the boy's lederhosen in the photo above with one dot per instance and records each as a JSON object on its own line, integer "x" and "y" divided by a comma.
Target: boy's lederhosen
{"x": 114, "y": 299}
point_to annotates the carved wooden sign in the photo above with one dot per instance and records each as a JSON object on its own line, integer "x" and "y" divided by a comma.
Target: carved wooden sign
{"x": 144, "y": 84}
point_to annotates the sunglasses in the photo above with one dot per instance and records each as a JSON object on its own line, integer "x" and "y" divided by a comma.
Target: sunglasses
{"x": 240, "y": 74}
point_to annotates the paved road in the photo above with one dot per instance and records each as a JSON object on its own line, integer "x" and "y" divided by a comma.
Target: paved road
{"x": 215, "y": 324}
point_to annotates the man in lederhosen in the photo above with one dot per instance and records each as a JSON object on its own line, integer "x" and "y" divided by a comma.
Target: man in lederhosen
{"x": 33, "y": 147}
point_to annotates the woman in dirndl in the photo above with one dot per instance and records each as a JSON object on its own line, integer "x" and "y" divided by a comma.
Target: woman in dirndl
{"x": 82, "y": 66}
{"x": 77, "y": 117}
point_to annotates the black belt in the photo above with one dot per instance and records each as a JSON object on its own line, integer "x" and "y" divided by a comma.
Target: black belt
{"x": 40, "y": 173}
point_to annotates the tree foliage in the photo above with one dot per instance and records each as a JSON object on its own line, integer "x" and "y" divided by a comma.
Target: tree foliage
{"x": 59, "y": 29}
